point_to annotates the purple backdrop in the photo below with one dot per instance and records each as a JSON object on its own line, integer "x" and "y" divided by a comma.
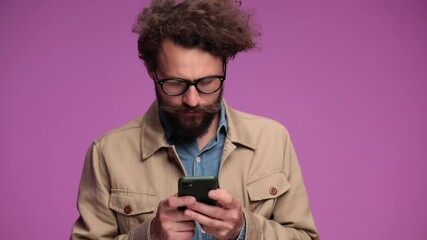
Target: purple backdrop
{"x": 347, "y": 78}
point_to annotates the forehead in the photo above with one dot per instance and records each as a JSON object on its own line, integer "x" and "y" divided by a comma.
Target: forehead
{"x": 175, "y": 59}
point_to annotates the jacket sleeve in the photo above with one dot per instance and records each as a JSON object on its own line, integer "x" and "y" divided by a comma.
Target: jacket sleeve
{"x": 292, "y": 218}
{"x": 97, "y": 220}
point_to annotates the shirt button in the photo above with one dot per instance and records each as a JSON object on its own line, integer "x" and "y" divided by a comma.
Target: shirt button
{"x": 198, "y": 159}
{"x": 273, "y": 191}
{"x": 127, "y": 209}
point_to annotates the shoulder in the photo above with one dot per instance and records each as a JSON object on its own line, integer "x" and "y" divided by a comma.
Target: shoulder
{"x": 255, "y": 131}
{"x": 256, "y": 122}
{"x": 128, "y": 130}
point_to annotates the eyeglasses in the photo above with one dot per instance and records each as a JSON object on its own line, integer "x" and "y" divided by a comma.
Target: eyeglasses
{"x": 178, "y": 86}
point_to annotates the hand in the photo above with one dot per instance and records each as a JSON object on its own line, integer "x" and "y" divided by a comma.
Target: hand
{"x": 171, "y": 223}
{"x": 224, "y": 221}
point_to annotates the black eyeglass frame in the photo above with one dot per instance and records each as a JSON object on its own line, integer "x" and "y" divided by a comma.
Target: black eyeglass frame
{"x": 191, "y": 83}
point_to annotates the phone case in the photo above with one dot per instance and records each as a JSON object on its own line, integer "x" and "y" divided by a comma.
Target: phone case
{"x": 198, "y": 187}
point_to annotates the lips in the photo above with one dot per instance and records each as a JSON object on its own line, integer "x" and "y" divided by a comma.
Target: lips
{"x": 192, "y": 112}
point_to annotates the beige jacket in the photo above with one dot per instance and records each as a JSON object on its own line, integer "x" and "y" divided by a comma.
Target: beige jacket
{"x": 130, "y": 169}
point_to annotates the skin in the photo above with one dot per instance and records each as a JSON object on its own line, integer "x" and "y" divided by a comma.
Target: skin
{"x": 225, "y": 220}
{"x": 176, "y": 61}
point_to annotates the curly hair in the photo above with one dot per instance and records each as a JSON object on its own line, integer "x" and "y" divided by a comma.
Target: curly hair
{"x": 219, "y": 27}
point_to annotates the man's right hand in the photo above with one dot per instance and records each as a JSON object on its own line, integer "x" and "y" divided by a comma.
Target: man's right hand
{"x": 171, "y": 223}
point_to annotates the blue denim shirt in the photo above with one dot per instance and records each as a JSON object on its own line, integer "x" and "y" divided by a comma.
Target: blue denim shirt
{"x": 200, "y": 162}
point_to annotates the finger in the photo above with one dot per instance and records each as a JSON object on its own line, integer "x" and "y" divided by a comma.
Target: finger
{"x": 173, "y": 202}
{"x": 172, "y": 215}
{"x": 217, "y": 221}
{"x": 214, "y": 212}
{"x": 224, "y": 199}
{"x": 204, "y": 220}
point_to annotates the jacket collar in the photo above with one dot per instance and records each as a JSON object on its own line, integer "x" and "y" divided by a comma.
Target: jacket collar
{"x": 238, "y": 131}
{"x": 153, "y": 135}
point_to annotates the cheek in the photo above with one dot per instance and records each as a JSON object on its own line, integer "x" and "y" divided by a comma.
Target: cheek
{"x": 210, "y": 98}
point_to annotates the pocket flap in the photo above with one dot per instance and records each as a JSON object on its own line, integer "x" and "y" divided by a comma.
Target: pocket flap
{"x": 267, "y": 187}
{"x": 131, "y": 203}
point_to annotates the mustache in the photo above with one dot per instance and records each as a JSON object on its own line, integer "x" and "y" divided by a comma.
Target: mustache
{"x": 213, "y": 108}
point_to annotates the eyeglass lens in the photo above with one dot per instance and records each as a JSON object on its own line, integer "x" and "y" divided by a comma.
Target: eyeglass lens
{"x": 179, "y": 86}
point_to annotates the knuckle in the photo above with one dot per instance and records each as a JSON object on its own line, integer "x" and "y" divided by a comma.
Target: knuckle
{"x": 168, "y": 202}
{"x": 222, "y": 234}
{"x": 234, "y": 217}
{"x": 163, "y": 217}
{"x": 229, "y": 227}
{"x": 165, "y": 226}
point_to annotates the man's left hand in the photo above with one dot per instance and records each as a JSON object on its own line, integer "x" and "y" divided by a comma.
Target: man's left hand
{"x": 223, "y": 221}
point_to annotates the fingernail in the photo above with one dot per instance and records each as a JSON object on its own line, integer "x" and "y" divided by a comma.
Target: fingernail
{"x": 212, "y": 193}
{"x": 187, "y": 213}
{"x": 192, "y": 200}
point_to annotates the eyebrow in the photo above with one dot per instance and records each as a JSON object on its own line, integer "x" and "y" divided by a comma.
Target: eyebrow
{"x": 186, "y": 79}
{"x": 224, "y": 69}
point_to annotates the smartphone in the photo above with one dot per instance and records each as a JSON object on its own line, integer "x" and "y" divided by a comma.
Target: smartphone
{"x": 198, "y": 186}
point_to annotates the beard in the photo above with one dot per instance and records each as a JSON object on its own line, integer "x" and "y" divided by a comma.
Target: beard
{"x": 190, "y": 126}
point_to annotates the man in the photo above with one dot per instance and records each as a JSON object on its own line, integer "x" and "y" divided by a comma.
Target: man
{"x": 129, "y": 182}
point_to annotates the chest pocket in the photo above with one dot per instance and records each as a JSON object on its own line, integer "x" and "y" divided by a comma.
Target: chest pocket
{"x": 131, "y": 207}
{"x": 264, "y": 192}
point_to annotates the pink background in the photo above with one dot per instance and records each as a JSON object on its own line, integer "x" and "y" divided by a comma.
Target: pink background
{"x": 347, "y": 78}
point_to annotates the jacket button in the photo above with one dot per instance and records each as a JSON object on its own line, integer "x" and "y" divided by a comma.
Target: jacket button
{"x": 273, "y": 191}
{"x": 127, "y": 209}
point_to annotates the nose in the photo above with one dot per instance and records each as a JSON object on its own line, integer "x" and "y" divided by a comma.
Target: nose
{"x": 191, "y": 97}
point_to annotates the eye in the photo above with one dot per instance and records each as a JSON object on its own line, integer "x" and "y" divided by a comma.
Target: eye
{"x": 174, "y": 86}
{"x": 208, "y": 81}
{"x": 174, "y": 83}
